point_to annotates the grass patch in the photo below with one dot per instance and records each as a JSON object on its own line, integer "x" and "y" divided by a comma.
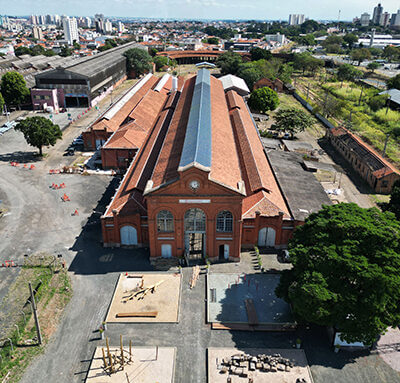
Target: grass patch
{"x": 53, "y": 291}
{"x": 387, "y": 116}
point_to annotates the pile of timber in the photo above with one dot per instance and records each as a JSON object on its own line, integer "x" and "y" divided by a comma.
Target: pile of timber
{"x": 141, "y": 293}
{"x": 195, "y": 276}
{"x": 242, "y": 364}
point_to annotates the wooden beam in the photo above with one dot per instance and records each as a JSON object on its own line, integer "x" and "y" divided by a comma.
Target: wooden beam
{"x": 144, "y": 314}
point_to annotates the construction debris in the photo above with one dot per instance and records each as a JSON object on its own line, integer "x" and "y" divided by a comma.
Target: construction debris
{"x": 114, "y": 361}
{"x": 195, "y": 276}
{"x": 242, "y": 364}
{"x": 146, "y": 314}
{"x": 141, "y": 293}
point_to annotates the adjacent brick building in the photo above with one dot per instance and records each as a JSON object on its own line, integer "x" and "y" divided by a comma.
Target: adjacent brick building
{"x": 374, "y": 169}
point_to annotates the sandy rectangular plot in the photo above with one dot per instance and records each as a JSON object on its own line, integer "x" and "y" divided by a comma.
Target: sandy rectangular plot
{"x": 144, "y": 368}
{"x": 164, "y": 300}
{"x": 298, "y": 357}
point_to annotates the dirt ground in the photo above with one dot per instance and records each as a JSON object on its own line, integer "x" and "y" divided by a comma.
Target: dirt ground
{"x": 164, "y": 300}
{"x": 298, "y": 357}
{"x": 149, "y": 364}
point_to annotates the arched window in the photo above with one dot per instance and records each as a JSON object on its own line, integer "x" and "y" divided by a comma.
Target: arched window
{"x": 224, "y": 221}
{"x": 195, "y": 220}
{"x": 165, "y": 221}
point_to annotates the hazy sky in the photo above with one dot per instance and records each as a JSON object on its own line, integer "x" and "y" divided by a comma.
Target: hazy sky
{"x": 199, "y": 9}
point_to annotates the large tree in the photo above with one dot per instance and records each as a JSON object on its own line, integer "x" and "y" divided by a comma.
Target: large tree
{"x": 249, "y": 73}
{"x": 394, "y": 203}
{"x": 39, "y": 132}
{"x": 350, "y": 39}
{"x": 345, "y": 271}
{"x": 293, "y": 120}
{"x": 394, "y": 82}
{"x": 347, "y": 72}
{"x": 360, "y": 55}
{"x": 1, "y": 103}
{"x": 263, "y": 100}
{"x": 229, "y": 62}
{"x": 260, "y": 54}
{"x": 138, "y": 61}
{"x": 13, "y": 88}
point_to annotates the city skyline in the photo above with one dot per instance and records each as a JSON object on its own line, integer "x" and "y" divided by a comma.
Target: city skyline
{"x": 201, "y": 9}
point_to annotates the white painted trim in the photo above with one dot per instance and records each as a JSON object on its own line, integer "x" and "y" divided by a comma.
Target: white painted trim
{"x": 194, "y": 201}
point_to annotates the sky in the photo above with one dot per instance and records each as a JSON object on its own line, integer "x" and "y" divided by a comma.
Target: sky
{"x": 199, "y": 9}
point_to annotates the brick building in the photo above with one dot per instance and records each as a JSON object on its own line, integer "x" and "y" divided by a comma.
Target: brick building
{"x": 374, "y": 169}
{"x": 200, "y": 183}
{"x": 276, "y": 85}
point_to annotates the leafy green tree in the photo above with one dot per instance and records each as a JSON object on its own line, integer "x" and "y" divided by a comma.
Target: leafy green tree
{"x": 49, "y": 52}
{"x": 310, "y": 26}
{"x": 377, "y": 102}
{"x": 1, "y": 103}
{"x": 394, "y": 203}
{"x": 213, "y": 40}
{"x": 345, "y": 271}
{"x": 372, "y": 66}
{"x": 19, "y": 51}
{"x": 350, "y": 39}
{"x": 39, "y": 132}
{"x": 13, "y": 88}
{"x": 306, "y": 62}
{"x": 332, "y": 39}
{"x": 76, "y": 45}
{"x": 263, "y": 100}
{"x": 249, "y": 73}
{"x": 65, "y": 51}
{"x": 347, "y": 72}
{"x": 293, "y": 120}
{"x": 160, "y": 62}
{"x": 260, "y": 54}
{"x": 391, "y": 53}
{"x": 138, "y": 61}
{"x": 394, "y": 82}
{"x": 153, "y": 52}
{"x": 37, "y": 50}
{"x": 308, "y": 40}
{"x": 360, "y": 55}
{"x": 229, "y": 62}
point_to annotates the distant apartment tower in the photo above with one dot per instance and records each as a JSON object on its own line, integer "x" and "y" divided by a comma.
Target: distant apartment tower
{"x": 57, "y": 19}
{"x": 296, "y": 19}
{"x": 33, "y": 19}
{"x": 99, "y": 22}
{"x": 364, "y": 19}
{"x": 278, "y": 37}
{"x": 88, "y": 22}
{"x": 37, "y": 33}
{"x": 121, "y": 27}
{"x": 376, "y": 16}
{"x": 70, "y": 30}
{"x": 395, "y": 20}
{"x": 108, "y": 26}
{"x": 385, "y": 19}
{"x": 42, "y": 20}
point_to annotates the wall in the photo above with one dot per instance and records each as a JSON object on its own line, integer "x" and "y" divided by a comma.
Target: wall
{"x": 117, "y": 158}
{"x": 40, "y": 97}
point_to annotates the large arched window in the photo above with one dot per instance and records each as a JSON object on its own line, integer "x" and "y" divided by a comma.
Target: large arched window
{"x": 195, "y": 220}
{"x": 165, "y": 221}
{"x": 224, "y": 221}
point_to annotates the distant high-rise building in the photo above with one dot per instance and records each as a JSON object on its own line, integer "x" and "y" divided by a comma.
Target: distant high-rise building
{"x": 88, "y": 22}
{"x": 37, "y": 33}
{"x": 57, "y": 19}
{"x": 296, "y": 19}
{"x": 385, "y": 19}
{"x": 108, "y": 26}
{"x": 33, "y": 19}
{"x": 395, "y": 20}
{"x": 42, "y": 20}
{"x": 364, "y": 19}
{"x": 121, "y": 27}
{"x": 49, "y": 19}
{"x": 99, "y": 22}
{"x": 376, "y": 17}
{"x": 70, "y": 30}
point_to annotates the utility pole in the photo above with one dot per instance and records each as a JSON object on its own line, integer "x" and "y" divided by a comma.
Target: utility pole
{"x": 362, "y": 88}
{"x": 33, "y": 304}
{"x": 384, "y": 147}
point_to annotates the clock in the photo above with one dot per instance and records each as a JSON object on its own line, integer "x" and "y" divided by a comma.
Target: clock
{"x": 194, "y": 185}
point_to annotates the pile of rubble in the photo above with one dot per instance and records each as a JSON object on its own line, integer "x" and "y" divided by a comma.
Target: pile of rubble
{"x": 242, "y": 364}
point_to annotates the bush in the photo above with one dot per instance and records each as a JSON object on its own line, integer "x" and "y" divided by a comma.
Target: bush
{"x": 390, "y": 116}
{"x": 377, "y": 102}
{"x": 263, "y": 100}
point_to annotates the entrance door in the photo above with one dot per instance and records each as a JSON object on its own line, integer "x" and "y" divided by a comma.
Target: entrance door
{"x": 195, "y": 233}
{"x": 99, "y": 143}
{"x": 223, "y": 252}
{"x": 166, "y": 251}
{"x": 128, "y": 236}
{"x": 266, "y": 237}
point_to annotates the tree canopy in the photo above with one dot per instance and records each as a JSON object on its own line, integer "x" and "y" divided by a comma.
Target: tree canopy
{"x": 161, "y": 61}
{"x": 293, "y": 120}
{"x": 394, "y": 203}
{"x": 138, "y": 60}
{"x": 263, "y": 100}
{"x": 306, "y": 62}
{"x": 249, "y": 73}
{"x": 39, "y": 132}
{"x": 350, "y": 39}
{"x": 1, "y": 103}
{"x": 229, "y": 62}
{"x": 345, "y": 271}
{"x": 360, "y": 55}
{"x": 347, "y": 72}
{"x": 13, "y": 88}
{"x": 394, "y": 82}
{"x": 260, "y": 54}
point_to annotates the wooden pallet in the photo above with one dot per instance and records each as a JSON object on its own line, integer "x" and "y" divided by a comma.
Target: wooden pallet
{"x": 251, "y": 312}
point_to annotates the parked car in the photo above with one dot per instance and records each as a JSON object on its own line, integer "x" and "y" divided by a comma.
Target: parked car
{"x": 78, "y": 141}
{"x": 69, "y": 152}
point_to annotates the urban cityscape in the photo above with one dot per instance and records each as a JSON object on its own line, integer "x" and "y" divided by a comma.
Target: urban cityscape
{"x": 199, "y": 199}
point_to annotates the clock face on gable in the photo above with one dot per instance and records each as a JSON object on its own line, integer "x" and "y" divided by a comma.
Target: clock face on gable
{"x": 194, "y": 185}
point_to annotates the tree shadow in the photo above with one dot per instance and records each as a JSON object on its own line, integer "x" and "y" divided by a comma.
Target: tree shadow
{"x": 92, "y": 258}
{"x": 21, "y": 157}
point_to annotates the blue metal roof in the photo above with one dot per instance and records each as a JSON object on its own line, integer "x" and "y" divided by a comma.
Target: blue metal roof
{"x": 197, "y": 144}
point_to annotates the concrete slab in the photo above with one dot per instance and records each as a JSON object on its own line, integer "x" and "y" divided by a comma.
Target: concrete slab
{"x": 226, "y": 295}
{"x": 298, "y": 357}
{"x": 148, "y": 365}
{"x": 388, "y": 347}
{"x": 165, "y": 299}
